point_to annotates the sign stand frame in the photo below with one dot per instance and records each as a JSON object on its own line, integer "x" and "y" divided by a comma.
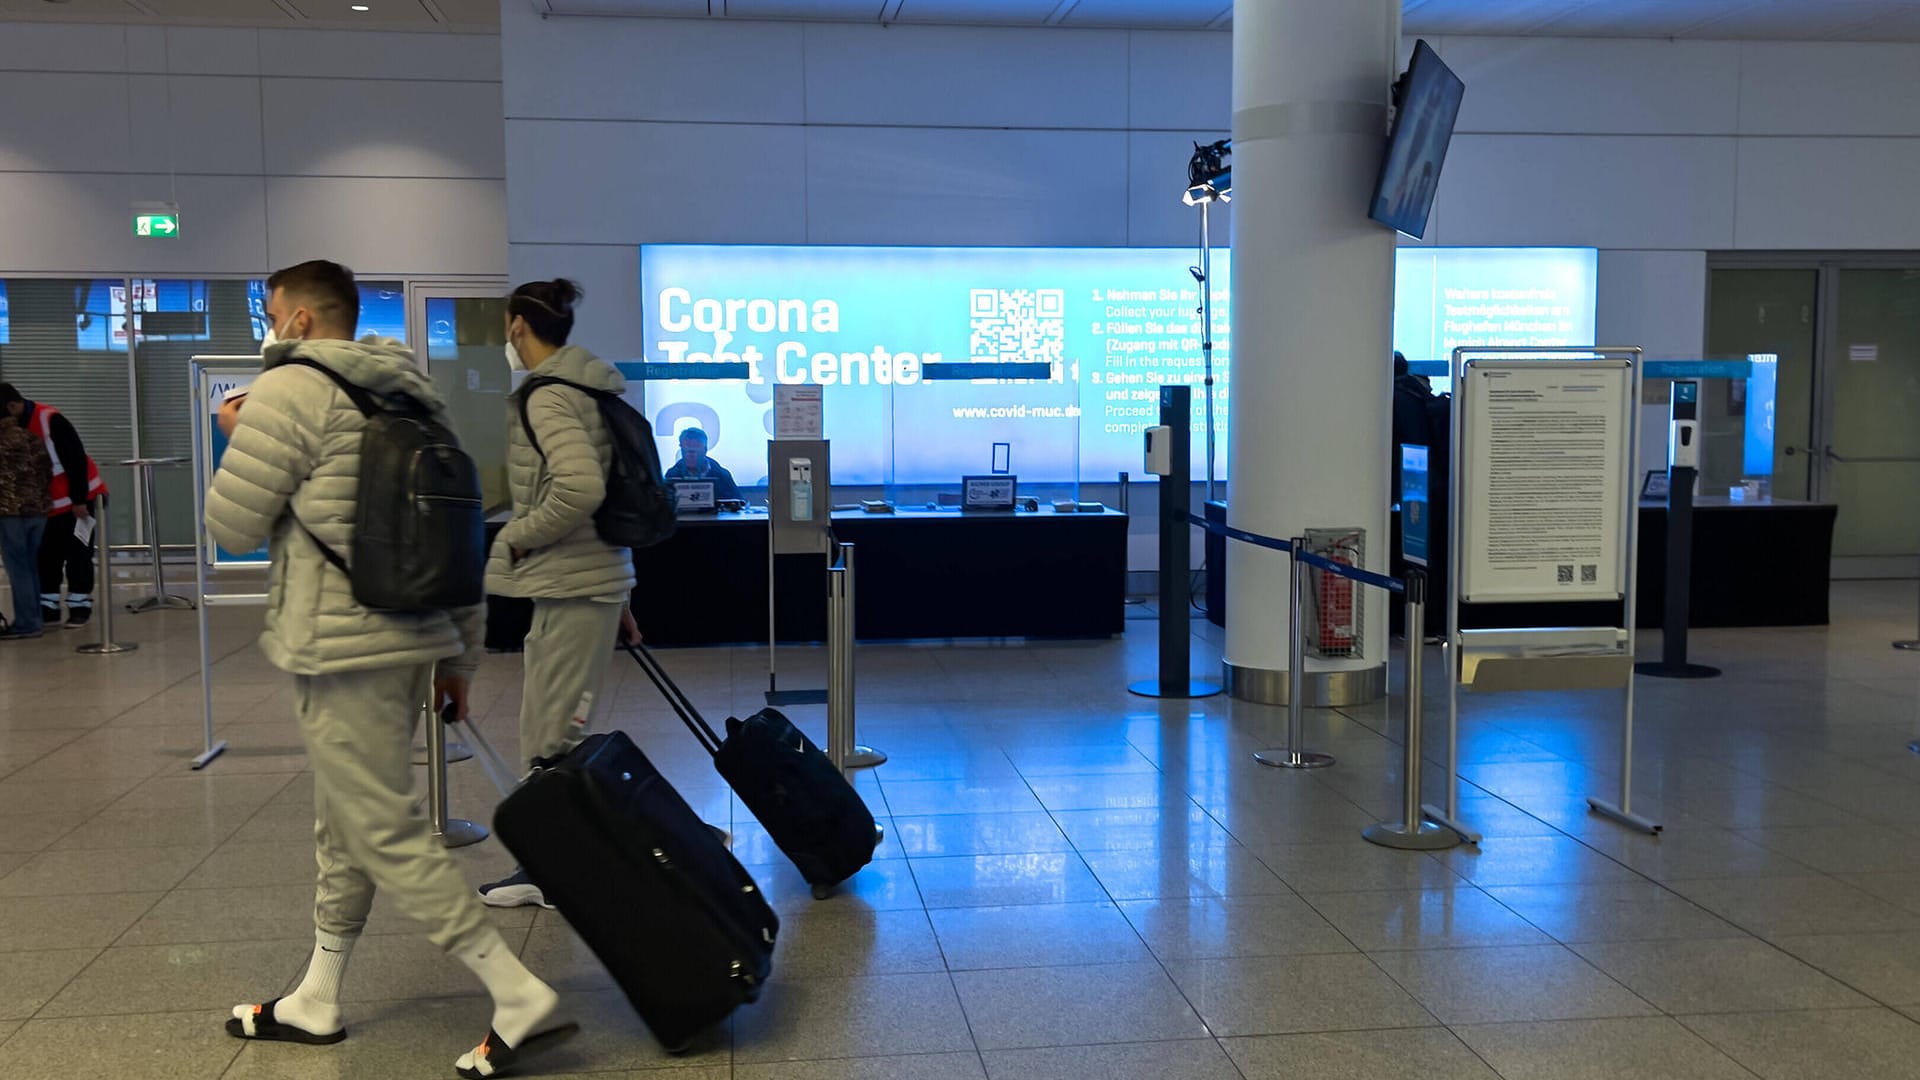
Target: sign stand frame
{"x": 206, "y": 556}
{"x": 1580, "y": 657}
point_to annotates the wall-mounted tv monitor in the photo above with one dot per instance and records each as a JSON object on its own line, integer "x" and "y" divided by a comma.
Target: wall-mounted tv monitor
{"x": 1427, "y": 100}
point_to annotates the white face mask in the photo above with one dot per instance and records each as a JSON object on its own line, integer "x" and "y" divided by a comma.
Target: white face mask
{"x": 514, "y": 362}
{"x": 270, "y": 339}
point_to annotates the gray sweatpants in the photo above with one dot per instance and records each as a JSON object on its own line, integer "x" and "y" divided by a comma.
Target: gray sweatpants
{"x": 566, "y": 657}
{"x": 368, "y": 829}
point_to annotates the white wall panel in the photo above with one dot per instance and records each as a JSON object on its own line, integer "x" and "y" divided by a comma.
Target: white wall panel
{"x": 1156, "y": 180}
{"x": 965, "y": 77}
{"x": 45, "y": 46}
{"x": 369, "y": 127}
{"x": 1180, "y": 79}
{"x": 654, "y": 69}
{"x": 604, "y": 182}
{"x": 58, "y": 121}
{"x": 608, "y": 319}
{"x": 1829, "y": 193}
{"x": 929, "y": 186}
{"x": 390, "y": 226}
{"x": 193, "y": 50}
{"x": 1603, "y": 191}
{"x": 68, "y": 165}
{"x": 352, "y": 54}
{"x": 82, "y": 223}
{"x": 196, "y": 124}
{"x": 1654, "y": 299}
{"x": 223, "y": 226}
{"x": 1829, "y": 89}
{"x": 1603, "y": 87}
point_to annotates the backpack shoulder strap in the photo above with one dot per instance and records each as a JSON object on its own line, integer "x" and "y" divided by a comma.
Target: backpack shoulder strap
{"x": 361, "y": 397}
{"x": 363, "y": 401}
{"x": 535, "y": 382}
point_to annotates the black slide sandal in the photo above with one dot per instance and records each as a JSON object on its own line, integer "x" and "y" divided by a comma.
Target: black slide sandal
{"x": 267, "y": 1029}
{"x": 497, "y": 1058}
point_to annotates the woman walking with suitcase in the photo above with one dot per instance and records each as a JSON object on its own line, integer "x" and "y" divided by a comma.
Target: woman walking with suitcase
{"x": 551, "y": 552}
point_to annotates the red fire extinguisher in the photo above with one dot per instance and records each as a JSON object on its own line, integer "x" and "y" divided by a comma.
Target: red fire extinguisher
{"x": 1336, "y": 608}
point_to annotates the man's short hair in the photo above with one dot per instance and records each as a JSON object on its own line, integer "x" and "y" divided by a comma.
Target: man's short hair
{"x": 324, "y": 288}
{"x": 1399, "y": 363}
{"x": 695, "y": 434}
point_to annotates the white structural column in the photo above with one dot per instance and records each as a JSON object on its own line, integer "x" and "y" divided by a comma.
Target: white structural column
{"x": 1310, "y": 398}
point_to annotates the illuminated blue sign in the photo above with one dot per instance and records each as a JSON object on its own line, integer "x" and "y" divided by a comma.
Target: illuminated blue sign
{"x": 1110, "y": 324}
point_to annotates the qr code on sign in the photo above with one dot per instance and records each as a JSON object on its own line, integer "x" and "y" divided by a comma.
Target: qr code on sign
{"x": 1589, "y": 573}
{"x": 1018, "y": 326}
{"x": 1566, "y": 574}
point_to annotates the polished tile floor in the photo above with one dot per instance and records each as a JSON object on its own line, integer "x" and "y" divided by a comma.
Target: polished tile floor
{"x": 1075, "y": 882}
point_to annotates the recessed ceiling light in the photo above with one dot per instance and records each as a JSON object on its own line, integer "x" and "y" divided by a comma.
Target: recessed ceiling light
{"x": 361, "y": 7}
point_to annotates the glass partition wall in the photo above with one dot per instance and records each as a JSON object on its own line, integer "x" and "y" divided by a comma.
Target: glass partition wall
{"x": 1840, "y": 335}
{"x": 112, "y": 354}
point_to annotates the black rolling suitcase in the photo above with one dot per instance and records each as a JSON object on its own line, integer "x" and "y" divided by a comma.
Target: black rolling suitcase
{"x": 808, "y": 808}
{"x": 677, "y": 921}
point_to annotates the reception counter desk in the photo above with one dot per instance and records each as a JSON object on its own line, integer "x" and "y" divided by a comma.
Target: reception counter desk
{"x": 919, "y": 574}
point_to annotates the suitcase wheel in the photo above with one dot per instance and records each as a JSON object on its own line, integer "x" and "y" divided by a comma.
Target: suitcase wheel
{"x": 879, "y": 834}
{"x": 821, "y": 892}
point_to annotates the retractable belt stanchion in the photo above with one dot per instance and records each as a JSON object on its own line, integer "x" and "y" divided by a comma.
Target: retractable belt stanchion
{"x": 836, "y": 662}
{"x": 105, "y": 646}
{"x": 858, "y": 756}
{"x": 1291, "y": 756}
{"x": 150, "y": 506}
{"x": 1411, "y": 832}
{"x": 453, "y": 832}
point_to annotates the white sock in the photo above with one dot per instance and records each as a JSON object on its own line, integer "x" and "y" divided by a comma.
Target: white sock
{"x": 315, "y": 1006}
{"x": 522, "y": 1004}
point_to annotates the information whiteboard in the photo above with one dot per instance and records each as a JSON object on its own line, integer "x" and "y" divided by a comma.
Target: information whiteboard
{"x": 1546, "y": 463}
{"x": 213, "y": 377}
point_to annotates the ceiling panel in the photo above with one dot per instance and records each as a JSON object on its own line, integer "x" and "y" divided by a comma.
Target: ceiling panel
{"x": 1484, "y": 16}
{"x": 1834, "y": 20}
{"x": 836, "y": 10}
{"x": 218, "y": 10}
{"x": 667, "y": 8}
{"x": 380, "y": 14}
{"x": 76, "y": 9}
{"x": 1191, "y": 15}
{"x": 996, "y": 12}
{"x": 470, "y": 13}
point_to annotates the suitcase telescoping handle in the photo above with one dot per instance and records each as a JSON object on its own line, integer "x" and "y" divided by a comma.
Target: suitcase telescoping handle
{"x": 690, "y": 716}
{"x": 496, "y": 767}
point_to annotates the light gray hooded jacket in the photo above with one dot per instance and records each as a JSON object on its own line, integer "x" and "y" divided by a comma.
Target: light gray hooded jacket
{"x": 296, "y": 453}
{"x": 557, "y": 488}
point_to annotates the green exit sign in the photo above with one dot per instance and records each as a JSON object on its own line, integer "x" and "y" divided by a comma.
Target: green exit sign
{"x": 156, "y": 224}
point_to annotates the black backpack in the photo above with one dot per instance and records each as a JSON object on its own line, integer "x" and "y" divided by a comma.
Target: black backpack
{"x": 1439, "y": 410}
{"x": 638, "y": 509}
{"x": 419, "y": 529}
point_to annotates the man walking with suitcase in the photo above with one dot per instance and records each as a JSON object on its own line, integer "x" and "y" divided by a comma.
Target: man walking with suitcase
{"x": 551, "y": 551}
{"x": 291, "y": 476}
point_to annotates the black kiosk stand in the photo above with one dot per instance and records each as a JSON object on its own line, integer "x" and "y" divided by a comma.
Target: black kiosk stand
{"x": 1683, "y": 459}
{"x": 1169, "y": 454}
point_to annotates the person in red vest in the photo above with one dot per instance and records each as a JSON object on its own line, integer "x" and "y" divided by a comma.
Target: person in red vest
{"x": 62, "y": 554}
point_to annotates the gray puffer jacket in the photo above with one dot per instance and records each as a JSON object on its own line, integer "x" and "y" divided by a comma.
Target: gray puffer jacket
{"x": 557, "y": 488}
{"x": 296, "y": 454}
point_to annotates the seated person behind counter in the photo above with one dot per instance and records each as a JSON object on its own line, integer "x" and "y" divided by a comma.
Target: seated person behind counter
{"x": 694, "y": 464}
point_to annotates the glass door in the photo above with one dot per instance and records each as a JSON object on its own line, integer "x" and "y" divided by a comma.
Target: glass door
{"x": 1869, "y": 449}
{"x": 1769, "y": 315}
{"x": 464, "y": 329}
